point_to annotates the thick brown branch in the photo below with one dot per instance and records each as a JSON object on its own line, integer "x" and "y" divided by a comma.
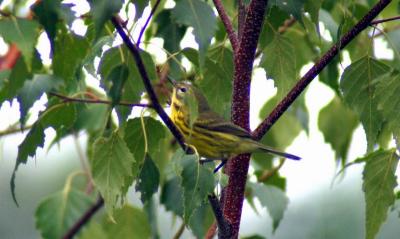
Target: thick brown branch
{"x": 244, "y": 57}
{"x": 97, "y": 101}
{"x": 227, "y": 23}
{"x": 317, "y": 68}
{"x": 153, "y": 10}
{"x": 241, "y": 18}
{"x": 84, "y": 219}
{"x": 146, "y": 81}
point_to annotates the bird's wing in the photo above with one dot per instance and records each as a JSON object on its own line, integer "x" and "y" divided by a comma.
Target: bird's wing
{"x": 212, "y": 121}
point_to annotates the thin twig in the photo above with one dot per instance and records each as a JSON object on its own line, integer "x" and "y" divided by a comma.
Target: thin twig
{"x": 97, "y": 101}
{"x": 212, "y": 230}
{"x": 385, "y": 20}
{"x": 269, "y": 173}
{"x": 153, "y": 10}
{"x": 13, "y": 130}
{"x": 180, "y": 231}
{"x": 146, "y": 81}
{"x": 317, "y": 68}
{"x": 84, "y": 219}
{"x": 224, "y": 227}
{"x": 286, "y": 25}
{"x": 227, "y": 23}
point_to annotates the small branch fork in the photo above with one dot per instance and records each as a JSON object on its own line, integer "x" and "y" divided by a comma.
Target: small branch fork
{"x": 153, "y": 10}
{"x": 317, "y": 68}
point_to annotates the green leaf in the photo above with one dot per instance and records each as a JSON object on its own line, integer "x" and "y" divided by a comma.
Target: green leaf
{"x": 112, "y": 165}
{"x": 93, "y": 230}
{"x": 169, "y": 30}
{"x": 387, "y": 96}
{"x": 130, "y": 222}
{"x": 134, "y": 137}
{"x": 197, "y": 182}
{"x": 217, "y": 81}
{"x": 172, "y": 196}
{"x": 200, "y": 16}
{"x": 47, "y": 13}
{"x": 330, "y": 75}
{"x": 284, "y": 131}
{"x": 273, "y": 199}
{"x": 102, "y": 11}
{"x": 312, "y": 7}
{"x": 69, "y": 52}
{"x": 140, "y": 5}
{"x": 337, "y": 124}
{"x": 358, "y": 86}
{"x": 133, "y": 88}
{"x": 60, "y": 116}
{"x": 148, "y": 180}
{"x": 32, "y": 90}
{"x": 279, "y": 63}
{"x": 293, "y": 7}
{"x": 117, "y": 78}
{"x": 59, "y": 212}
{"x": 201, "y": 220}
{"x": 21, "y": 72}
{"x": 379, "y": 181}
{"x": 22, "y": 32}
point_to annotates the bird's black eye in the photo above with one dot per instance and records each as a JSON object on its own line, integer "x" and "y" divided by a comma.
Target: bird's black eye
{"x": 183, "y": 89}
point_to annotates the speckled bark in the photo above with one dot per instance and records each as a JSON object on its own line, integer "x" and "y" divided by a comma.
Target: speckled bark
{"x": 237, "y": 168}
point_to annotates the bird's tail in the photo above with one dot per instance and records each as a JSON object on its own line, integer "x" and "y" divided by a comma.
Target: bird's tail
{"x": 273, "y": 151}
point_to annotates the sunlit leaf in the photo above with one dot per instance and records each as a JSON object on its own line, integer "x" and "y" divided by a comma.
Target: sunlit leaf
{"x": 358, "y": 86}
{"x": 59, "y": 212}
{"x": 379, "y": 182}
{"x": 200, "y": 16}
{"x": 61, "y": 116}
{"x": 273, "y": 199}
{"x": 130, "y": 222}
{"x": 112, "y": 164}
{"x": 337, "y": 124}
{"x": 279, "y": 63}
{"x": 387, "y": 96}
{"x": 22, "y": 32}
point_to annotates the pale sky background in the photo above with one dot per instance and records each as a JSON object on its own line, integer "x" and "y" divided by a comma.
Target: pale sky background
{"x": 305, "y": 178}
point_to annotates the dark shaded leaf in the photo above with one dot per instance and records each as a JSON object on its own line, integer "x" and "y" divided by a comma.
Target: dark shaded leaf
{"x": 102, "y": 11}
{"x": 148, "y": 180}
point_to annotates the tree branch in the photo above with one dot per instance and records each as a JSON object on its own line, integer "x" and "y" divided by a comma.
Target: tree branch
{"x": 385, "y": 20}
{"x": 224, "y": 227}
{"x": 146, "y": 81}
{"x": 180, "y": 231}
{"x": 244, "y": 57}
{"x": 84, "y": 219}
{"x": 227, "y": 23}
{"x": 269, "y": 173}
{"x": 241, "y": 18}
{"x": 153, "y": 10}
{"x": 317, "y": 68}
{"x": 97, "y": 101}
{"x": 13, "y": 130}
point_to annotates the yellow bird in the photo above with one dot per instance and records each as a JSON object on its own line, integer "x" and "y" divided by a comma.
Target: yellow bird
{"x": 213, "y": 137}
